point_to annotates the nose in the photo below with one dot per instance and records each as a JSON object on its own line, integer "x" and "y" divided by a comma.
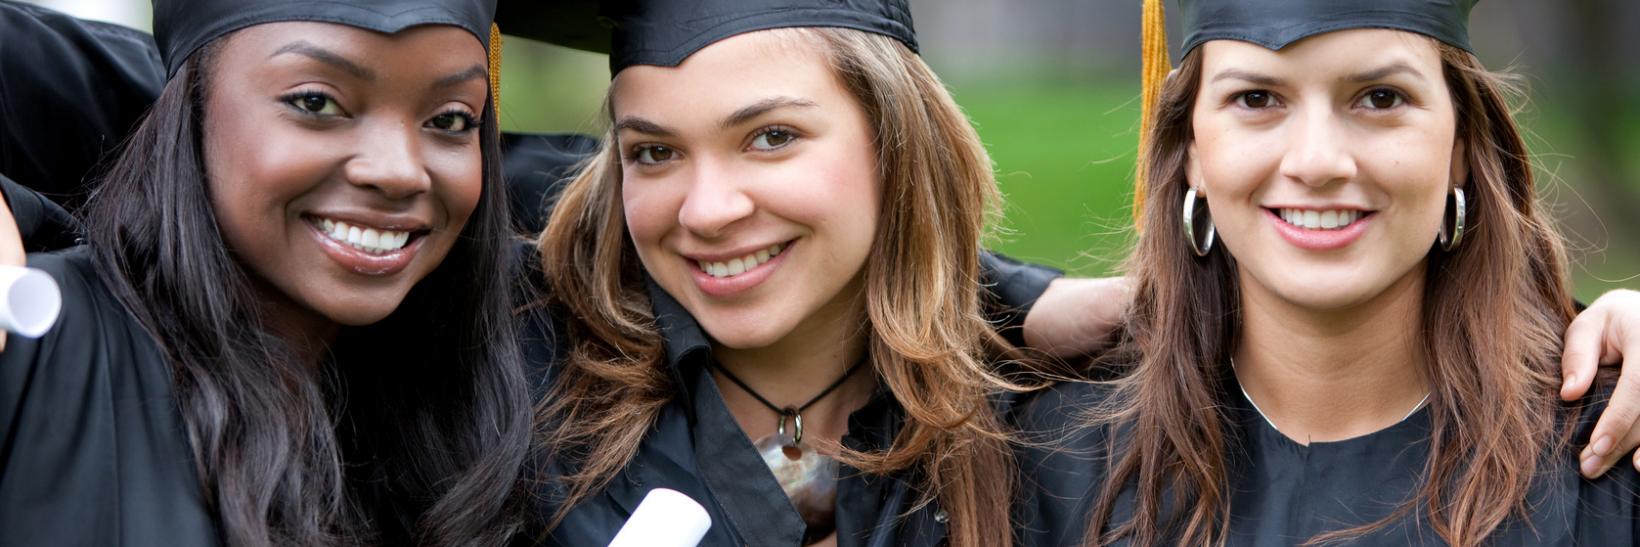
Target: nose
{"x": 715, "y": 201}
{"x": 1318, "y": 152}
{"x": 389, "y": 161}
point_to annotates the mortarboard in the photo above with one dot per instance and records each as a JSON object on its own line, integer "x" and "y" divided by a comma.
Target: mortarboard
{"x": 665, "y": 32}
{"x": 1276, "y": 23}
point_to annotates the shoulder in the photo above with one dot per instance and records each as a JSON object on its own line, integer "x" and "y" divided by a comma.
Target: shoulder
{"x": 1059, "y": 408}
{"x": 1063, "y": 460}
{"x": 1609, "y": 506}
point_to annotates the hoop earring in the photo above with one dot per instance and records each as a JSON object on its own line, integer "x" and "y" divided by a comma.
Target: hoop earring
{"x": 1460, "y": 211}
{"x": 1202, "y": 248}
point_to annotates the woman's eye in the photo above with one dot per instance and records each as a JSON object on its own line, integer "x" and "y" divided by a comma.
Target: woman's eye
{"x": 772, "y": 139}
{"x": 1254, "y": 99}
{"x": 314, "y": 104}
{"x": 652, "y": 154}
{"x": 454, "y": 122}
{"x": 1382, "y": 99}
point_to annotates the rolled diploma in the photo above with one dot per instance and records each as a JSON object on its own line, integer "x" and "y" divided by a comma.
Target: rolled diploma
{"x": 665, "y": 518}
{"x": 29, "y": 301}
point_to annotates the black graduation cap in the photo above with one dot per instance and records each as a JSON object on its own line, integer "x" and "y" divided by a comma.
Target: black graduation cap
{"x": 183, "y": 26}
{"x": 1276, "y": 23}
{"x": 665, "y": 32}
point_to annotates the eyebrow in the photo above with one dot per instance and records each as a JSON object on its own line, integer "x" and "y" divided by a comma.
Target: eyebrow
{"x": 1252, "y": 77}
{"x": 1384, "y": 72}
{"x": 1366, "y": 76}
{"x": 474, "y": 72}
{"x": 762, "y": 107}
{"x": 634, "y": 123}
{"x": 326, "y": 56}
{"x": 745, "y": 114}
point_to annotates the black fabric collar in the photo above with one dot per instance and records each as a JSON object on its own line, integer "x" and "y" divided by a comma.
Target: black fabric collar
{"x": 1276, "y": 23}
{"x": 686, "y": 344}
{"x": 183, "y": 26}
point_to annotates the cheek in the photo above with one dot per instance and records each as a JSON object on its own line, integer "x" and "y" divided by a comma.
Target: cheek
{"x": 252, "y": 181}
{"x": 651, "y": 209}
{"x": 460, "y": 180}
{"x": 840, "y": 189}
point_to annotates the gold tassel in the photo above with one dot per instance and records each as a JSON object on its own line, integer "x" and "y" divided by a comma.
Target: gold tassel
{"x": 1154, "y": 66}
{"x": 495, "y": 73}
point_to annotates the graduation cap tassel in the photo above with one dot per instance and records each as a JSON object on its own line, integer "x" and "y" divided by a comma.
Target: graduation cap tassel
{"x": 1154, "y": 66}
{"x": 495, "y": 73}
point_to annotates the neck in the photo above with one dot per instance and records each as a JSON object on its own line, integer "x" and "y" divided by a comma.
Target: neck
{"x": 796, "y": 369}
{"x": 1335, "y": 374}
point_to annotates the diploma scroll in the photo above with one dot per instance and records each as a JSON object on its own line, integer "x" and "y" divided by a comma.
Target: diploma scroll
{"x": 29, "y": 301}
{"x": 665, "y": 518}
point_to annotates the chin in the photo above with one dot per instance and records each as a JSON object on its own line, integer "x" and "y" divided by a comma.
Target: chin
{"x": 361, "y": 312}
{"x": 743, "y": 334}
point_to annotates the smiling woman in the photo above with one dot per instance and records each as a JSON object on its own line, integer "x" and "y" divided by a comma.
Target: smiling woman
{"x": 1366, "y": 351}
{"x": 289, "y": 324}
{"x": 774, "y": 266}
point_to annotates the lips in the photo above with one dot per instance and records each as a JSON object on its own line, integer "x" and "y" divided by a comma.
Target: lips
{"x": 729, "y": 276}
{"x": 1295, "y": 226}
{"x": 363, "y": 248}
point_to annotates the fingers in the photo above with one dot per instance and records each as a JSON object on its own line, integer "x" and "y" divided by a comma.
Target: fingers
{"x": 1581, "y": 357}
{"x": 1616, "y": 434}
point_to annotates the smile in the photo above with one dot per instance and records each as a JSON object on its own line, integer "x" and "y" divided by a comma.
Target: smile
{"x": 1335, "y": 219}
{"x": 1320, "y": 230}
{"x": 367, "y": 239}
{"x": 364, "y": 249}
{"x": 741, "y": 265}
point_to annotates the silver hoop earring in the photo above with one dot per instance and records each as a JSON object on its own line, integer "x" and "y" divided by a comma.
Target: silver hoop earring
{"x": 1460, "y": 210}
{"x": 1202, "y": 248}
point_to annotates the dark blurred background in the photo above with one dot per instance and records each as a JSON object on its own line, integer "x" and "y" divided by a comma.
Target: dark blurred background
{"x": 1052, "y": 86}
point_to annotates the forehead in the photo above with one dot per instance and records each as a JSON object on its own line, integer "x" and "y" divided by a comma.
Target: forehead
{"x": 730, "y": 73}
{"x": 425, "y": 46}
{"x": 1326, "y": 54}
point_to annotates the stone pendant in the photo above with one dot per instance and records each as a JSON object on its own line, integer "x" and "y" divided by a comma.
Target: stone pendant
{"x": 809, "y": 479}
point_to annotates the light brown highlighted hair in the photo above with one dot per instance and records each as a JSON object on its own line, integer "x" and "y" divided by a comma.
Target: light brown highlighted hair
{"x": 928, "y": 342}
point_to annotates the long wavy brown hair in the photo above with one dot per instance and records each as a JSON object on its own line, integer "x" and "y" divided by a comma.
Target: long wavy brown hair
{"x": 1492, "y": 313}
{"x": 928, "y": 342}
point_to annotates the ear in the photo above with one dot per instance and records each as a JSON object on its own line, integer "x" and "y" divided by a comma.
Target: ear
{"x": 1460, "y": 163}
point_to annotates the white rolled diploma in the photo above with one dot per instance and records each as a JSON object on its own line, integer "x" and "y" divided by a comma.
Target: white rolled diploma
{"x": 29, "y": 301}
{"x": 665, "y": 518}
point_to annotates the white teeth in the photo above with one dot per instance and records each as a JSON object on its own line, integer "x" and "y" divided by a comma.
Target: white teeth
{"x": 1319, "y": 220}
{"x": 737, "y": 266}
{"x": 369, "y": 240}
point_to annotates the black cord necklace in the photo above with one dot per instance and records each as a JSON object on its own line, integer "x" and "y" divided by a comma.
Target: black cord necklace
{"x": 808, "y": 477}
{"x": 795, "y": 414}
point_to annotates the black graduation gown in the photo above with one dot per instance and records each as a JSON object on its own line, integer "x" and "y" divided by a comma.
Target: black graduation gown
{"x": 93, "y": 449}
{"x": 697, "y": 448}
{"x": 1283, "y": 493}
{"x": 70, "y": 92}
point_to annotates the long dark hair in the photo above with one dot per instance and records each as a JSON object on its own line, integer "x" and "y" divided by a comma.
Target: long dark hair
{"x": 1492, "y": 314}
{"x": 412, "y": 431}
